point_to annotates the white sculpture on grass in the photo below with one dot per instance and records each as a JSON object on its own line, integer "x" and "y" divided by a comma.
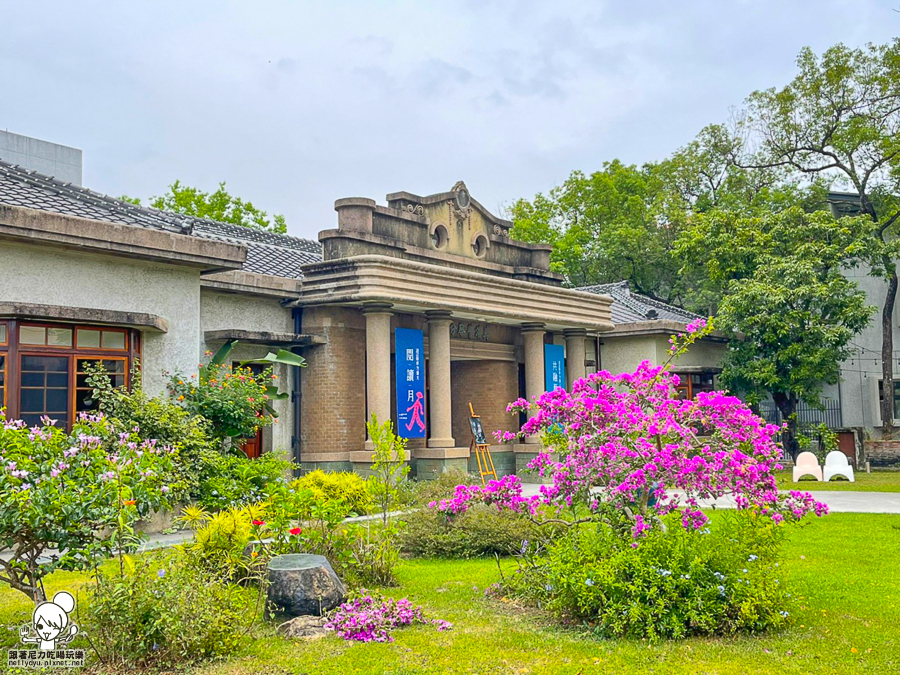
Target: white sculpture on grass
{"x": 807, "y": 465}
{"x": 836, "y": 464}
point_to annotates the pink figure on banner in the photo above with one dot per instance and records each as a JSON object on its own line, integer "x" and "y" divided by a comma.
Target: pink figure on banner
{"x": 418, "y": 411}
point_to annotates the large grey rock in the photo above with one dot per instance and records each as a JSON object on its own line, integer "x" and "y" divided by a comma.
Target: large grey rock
{"x": 305, "y": 627}
{"x": 302, "y": 584}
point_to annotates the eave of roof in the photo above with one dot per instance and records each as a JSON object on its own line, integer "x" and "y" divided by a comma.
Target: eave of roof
{"x": 267, "y": 252}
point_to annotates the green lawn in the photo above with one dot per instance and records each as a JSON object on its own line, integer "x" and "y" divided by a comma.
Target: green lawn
{"x": 877, "y": 481}
{"x": 845, "y": 568}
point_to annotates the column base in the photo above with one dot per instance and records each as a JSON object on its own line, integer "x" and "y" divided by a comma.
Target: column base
{"x": 440, "y": 453}
{"x": 441, "y": 443}
{"x": 524, "y": 453}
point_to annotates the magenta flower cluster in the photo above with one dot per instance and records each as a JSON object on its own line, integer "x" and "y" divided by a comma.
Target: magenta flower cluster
{"x": 370, "y": 619}
{"x": 629, "y": 442}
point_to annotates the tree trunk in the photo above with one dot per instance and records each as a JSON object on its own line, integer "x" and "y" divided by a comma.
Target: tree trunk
{"x": 787, "y": 406}
{"x": 887, "y": 355}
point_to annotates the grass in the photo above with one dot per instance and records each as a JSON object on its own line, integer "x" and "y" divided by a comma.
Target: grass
{"x": 843, "y": 567}
{"x": 877, "y": 481}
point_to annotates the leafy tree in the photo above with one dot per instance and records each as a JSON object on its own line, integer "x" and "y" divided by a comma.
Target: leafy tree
{"x": 219, "y": 205}
{"x": 624, "y": 222}
{"x": 788, "y": 308}
{"x": 389, "y": 467}
{"x": 611, "y": 225}
{"x": 839, "y": 121}
{"x": 78, "y": 493}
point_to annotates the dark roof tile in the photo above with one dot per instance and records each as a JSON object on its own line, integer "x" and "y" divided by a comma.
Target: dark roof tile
{"x": 631, "y": 307}
{"x": 267, "y": 253}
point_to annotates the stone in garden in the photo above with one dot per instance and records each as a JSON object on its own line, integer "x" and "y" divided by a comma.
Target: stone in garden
{"x": 303, "y": 584}
{"x": 308, "y": 627}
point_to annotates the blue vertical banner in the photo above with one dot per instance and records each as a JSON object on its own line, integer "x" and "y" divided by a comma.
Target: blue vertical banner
{"x": 409, "y": 358}
{"x": 554, "y": 367}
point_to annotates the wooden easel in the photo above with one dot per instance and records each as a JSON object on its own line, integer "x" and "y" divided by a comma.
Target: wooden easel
{"x": 481, "y": 447}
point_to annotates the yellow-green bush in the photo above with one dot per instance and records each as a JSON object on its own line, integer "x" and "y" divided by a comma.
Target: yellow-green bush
{"x": 349, "y": 487}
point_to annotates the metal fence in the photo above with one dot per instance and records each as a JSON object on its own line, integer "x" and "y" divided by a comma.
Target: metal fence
{"x": 808, "y": 417}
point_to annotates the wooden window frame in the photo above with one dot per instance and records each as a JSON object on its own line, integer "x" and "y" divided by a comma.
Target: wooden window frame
{"x": 101, "y": 348}
{"x": 4, "y": 368}
{"x": 73, "y": 379}
{"x": 686, "y": 383}
{"x": 50, "y": 355}
{"x": 14, "y": 350}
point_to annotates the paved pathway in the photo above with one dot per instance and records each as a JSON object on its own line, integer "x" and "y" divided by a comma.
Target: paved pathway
{"x": 838, "y": 501}
{"x": 175, "y": 538}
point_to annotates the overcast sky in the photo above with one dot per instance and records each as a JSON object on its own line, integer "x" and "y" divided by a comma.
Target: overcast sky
{"x": 296, "y": 104}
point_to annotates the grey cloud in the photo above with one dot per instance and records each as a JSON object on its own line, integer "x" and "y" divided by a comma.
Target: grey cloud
{"x": 297, "y": 104}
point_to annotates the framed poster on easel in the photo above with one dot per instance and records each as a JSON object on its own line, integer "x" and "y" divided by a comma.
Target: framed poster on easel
{"x": 480, "y": 446}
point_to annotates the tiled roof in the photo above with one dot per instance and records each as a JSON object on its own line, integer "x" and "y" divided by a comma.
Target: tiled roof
{"x": 631, "y": 307}
{"x": 267, "y": 253}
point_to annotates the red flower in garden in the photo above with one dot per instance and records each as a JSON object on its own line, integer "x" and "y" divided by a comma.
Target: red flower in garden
{"x": 296, "y": 530}
{"x": 259, "y": 523}
{"x": 129, "y": 502}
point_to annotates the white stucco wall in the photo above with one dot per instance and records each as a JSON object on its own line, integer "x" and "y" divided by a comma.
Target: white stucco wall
{"x": 624, "y": 354}
{"x": 858, "y": 390}
{"x": 221, "y": 311}
{"x": 43, "y": 275}
{"x": 703, "y": 354}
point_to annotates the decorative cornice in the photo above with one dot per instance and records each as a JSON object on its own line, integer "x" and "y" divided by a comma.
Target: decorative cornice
{"x": 411, "y": 284}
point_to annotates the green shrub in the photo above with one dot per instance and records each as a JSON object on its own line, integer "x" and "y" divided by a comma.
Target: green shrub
{"x": 389, "y": 467}
{"x": 172, "y": 426}
{"x": 79, "y": 493}
{"x": 442, "y": 486}
{"x": 164, "y": 612}
{"x": 235, "y": 400}
{"x": 221, "y": 538}
{"x": 672, "y": 584}
{"x": 347, "y": 486}
{"x": 235, "y": 480}
{"x": 480, "y": 531}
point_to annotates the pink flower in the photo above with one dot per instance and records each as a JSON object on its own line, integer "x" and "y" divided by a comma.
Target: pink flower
{"x": 696, "y": 325}
{"x": 628, "y": 441}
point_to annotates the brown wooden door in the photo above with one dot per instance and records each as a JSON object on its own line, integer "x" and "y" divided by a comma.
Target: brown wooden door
{"x": 252, "y": 447}
{"x": 847, "y": 445}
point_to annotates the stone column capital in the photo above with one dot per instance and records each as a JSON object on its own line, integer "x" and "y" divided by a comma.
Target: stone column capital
{"x": 439, "y": 315}
{"x": 533, "y": 327}
{"x": 575, "y": 333}
{"x": 377, "y": 308}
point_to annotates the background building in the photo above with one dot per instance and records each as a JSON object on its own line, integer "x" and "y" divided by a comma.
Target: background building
{"x": 86, "y": 277}
{"x": 51, "y": 159}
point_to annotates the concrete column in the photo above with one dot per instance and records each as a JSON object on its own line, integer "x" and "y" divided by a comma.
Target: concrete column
{"x": 378, "y": 363}
{"x": 574, "y": 355}
{"x": 439, "y": 379}
{"x": 533, "y": 335}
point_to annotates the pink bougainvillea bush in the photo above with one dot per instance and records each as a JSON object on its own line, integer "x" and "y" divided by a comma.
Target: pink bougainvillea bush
{"x": 371, "y": 619}
{"x": 628, "y": 464}
{"x": 628, "y": 442}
